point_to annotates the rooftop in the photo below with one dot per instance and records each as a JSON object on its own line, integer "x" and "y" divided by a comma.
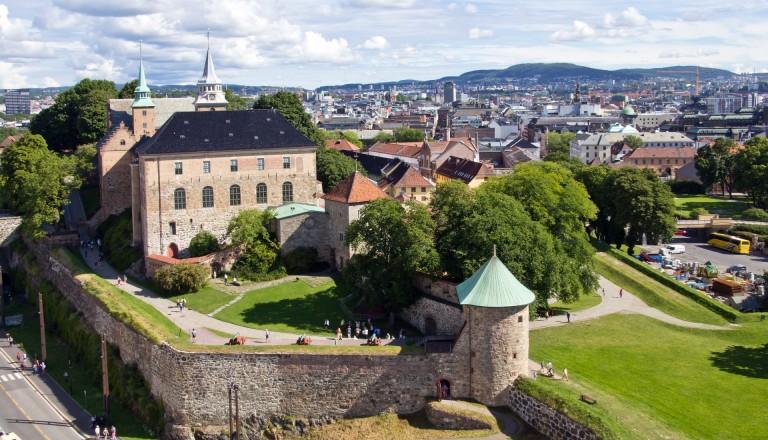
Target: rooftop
{"x": 293, "y": 209}
{"x": 493, "y": 285}
{"x": 355, "y": 189}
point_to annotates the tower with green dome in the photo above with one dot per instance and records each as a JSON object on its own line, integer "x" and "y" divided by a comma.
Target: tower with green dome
{"x": 628, "y": 115}
{"x": 495, "y": 307}
{"x": 143, "y": 109}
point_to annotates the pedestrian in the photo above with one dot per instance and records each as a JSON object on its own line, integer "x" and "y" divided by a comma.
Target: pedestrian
{"x": 326, "y": 323}
{"x": 42, "y": 367}
{"x": 113, "y": 432}
{"x": 266, "y": 334}
{"x": 603, "y": 292}
{"x": 225, "y": 279}
{"x": 194, "y": 335}
{"x": 119, "y": 280}
{"x": 96, "y": 431}
{"x": 125, "y": 278}
{"x": 349, "y": 331}
{"x": 565, "y": 374}
{"x": 105, "y": 433}
{"x": 338, "y": 333}
{"x": 533, "y": 373}
{"x": 621, "y": 293}
{"x": 181, "y": 306}
{"x": 18, "y": 357}
{"x": 568, "y": 315}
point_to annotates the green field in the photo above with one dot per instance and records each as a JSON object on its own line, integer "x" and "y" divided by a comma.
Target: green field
{"x": 205, "y": 300}
{"x": 702, "y": 384}
{"x": 584, "y": 302}
{"x": 715, "y": 205}
{"x": 293, "y": 307}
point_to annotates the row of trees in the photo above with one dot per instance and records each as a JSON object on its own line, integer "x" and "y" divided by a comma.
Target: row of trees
{"x": 730, "y": 168}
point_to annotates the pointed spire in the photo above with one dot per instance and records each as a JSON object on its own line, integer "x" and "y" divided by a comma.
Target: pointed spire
{"x": 142, "y": 96}
{"x": 209, "y": 91}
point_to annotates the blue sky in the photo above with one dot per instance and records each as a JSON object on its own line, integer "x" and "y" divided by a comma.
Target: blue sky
{"x": 310, "y": 43}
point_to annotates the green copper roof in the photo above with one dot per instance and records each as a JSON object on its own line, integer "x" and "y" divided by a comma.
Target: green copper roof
{"x": 291, "y": 209}
{"x": 493, "y": 285}
{"x": 142, "y": 97}
{"x": 628, "y": 111}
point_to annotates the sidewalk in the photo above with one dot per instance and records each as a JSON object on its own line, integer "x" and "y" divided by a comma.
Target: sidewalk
{"x": 60, "y": 400}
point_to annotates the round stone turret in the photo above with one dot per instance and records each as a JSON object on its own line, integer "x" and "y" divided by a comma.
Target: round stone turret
{"x": 496, "y": 306}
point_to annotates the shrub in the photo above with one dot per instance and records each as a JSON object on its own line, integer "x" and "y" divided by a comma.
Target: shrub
{"x": 203, "y": 243}
{"x": 757, "y": 229}
{"x": 301, "y": 259}
{"x": 755, "y": 214}
{"x": 696, "y": 212}
{"x": 743, "y": 234}
{"x": 686, "y": 187}
{"x": 181, "y": 279}
{"x": 117, "y": 233}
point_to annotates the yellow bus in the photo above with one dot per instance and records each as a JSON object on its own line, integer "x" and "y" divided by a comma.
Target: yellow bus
{"x": 729, "y": 243}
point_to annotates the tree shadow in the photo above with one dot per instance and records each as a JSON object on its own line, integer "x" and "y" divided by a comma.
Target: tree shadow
{"x": 746, "y": 361}
{"x": 305, "y": 313}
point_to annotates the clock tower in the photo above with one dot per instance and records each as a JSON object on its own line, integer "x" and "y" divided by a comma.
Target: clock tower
{"x": 210, "y": 96}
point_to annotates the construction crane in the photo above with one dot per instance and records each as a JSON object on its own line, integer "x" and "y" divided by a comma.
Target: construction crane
{"x": 689, "y": 72}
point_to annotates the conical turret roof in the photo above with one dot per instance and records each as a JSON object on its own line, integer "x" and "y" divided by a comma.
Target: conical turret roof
{"x": 493, "y": 285}
{"x": 142, "y": 96}
{"x": 209, "y": 74}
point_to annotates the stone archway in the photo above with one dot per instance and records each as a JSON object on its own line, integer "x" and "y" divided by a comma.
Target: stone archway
{"x": 430, "y": 326}
{"x": 443, "y": 388}
{"x": 173, "y": 250}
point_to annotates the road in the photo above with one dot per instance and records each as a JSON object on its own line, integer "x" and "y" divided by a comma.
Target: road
{"x": 699, "y": 251}
{"x": 24, "y": 411}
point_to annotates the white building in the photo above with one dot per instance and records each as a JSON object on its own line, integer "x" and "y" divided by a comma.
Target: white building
{"x": 598, "y": 145}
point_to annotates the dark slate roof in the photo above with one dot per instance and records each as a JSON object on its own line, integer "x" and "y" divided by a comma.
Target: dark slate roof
{"x": 372, "y": 164}
{"x": 520, "y": 142}
{"x": 191, "y": 132}
{"x": 461, "y": 169}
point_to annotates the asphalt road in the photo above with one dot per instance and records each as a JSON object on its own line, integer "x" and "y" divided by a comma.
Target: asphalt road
{"x": 23, "y": 410}
{"x": 697, "y": 250}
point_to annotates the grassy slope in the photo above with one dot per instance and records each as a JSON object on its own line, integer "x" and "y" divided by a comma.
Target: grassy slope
{"x": 654, "y": 293}
{"x": 292, "y": 307}
{"x": 705, "y": 384}
{"x": 205, "y": 300}
{"x": 584, "y": 302}
{"x": 715, "y": 205}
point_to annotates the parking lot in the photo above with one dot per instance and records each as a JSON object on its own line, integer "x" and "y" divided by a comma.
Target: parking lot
{"x": 697, "y": 250}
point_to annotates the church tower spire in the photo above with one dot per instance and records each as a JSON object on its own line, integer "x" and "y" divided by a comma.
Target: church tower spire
{"x": 143, "y": 109}
{"x": 210, "y": 95}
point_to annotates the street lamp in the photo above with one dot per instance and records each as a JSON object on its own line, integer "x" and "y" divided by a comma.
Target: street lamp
{"x": 236, "y": 388}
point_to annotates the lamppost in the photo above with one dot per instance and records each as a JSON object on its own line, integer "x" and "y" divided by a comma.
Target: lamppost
{"x": 236, "y": 388}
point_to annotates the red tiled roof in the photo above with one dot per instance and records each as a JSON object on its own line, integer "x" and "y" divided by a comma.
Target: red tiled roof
{"x": 9, "y": 140}
{"x": 403, "y": 149}
{"x": 341, "y": 145}
{"x": 662, "y": 152}
{"x": 412, "y": 178}
{"x": 355, "y": 189}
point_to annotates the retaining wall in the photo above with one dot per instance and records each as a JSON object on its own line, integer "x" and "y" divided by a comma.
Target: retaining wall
{"x": 546, "y": 420}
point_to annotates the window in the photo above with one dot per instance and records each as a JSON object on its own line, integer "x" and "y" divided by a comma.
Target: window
{"x": 413, "y": 189}
{"x": 172, "y": 228}
{"x": 423, "y": 189}
{"x": 519, "y": 319}
{"x": 260, "y": 164}
{"x": 286, "y": 162}
{"x": 122, "y": 142}
{"x": 233, "y": 165}
{"x": 287, "y": 192}
{"x": 341, "y": 236}
{"x": 261, "y": 193}
{"x": 143, "y": 113}
{"x": 144, "y": 125}
{"x": 178, "y": 169}
{"x": 207, "y": 197}
{"x": 179, "y": 199}
{"x": 234, "y": 195}
{"x": 206, "y": 166}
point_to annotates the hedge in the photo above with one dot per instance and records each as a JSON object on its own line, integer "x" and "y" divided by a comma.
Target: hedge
{"x": 713, "y": 305}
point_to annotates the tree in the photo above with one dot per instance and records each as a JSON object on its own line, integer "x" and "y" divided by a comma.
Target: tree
{"x": 289, "y": 105}
{"x": 348, "y": 135}
{"x": 333, "y": 167}
{"x": 203, "y": 243}
{"x": 235, "y": 102}
{"x": 181, "y": 279}
{"x": 36, "y": 182}
{"x": 715, "y": 165}
{"x": 406, "y": 134}
{"x": 79, "y": 115}
{"x": 127, "y": 91}
{"x": 633, "y": 141}
{"x": 751, "y": 170}
{"x": 384, "y": 137}
{"x": 394, "y": 241}
{"x": 249, "y": 230}
{"x": 8, "y": 131}
{"x": 84, "y": 162}
{"x": 559, "y": 143}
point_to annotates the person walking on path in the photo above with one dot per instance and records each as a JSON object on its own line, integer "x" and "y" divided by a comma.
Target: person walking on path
{"x": 603, "y": 292}
{"x": 194, "y": 335}
{"x": 266, "y": 334}
{"x": 568, "y": 315}
{"x": 338, "y": 333}
{"x": 565, "y": 374}
{"x": 621, "y": 293}
{"x": 225, "y": 279}
{"x": 113, "y": 432}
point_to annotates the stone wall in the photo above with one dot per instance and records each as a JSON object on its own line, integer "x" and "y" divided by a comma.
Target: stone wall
{"x": 305, "y": 230}
{"x": 114, "y": 163}
{"x": 8, "y": 228}
{"x": 546, "y": 420}
{"x": 448, "y": 319}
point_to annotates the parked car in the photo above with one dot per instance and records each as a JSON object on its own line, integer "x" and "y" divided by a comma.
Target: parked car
{"x": 736, "y": 268}
{"x": 681, "y": 232}
{"x": 676, "y": 248}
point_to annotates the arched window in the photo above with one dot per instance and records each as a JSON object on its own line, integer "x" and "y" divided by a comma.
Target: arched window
{"x": 179, "y": 199}
{"x": 207, "y": 197}
{"x": 287, "y": 192}
{"x": 261, "y": 193}
{"x": 234, "y": 195}
{"x": 122, "y": 141}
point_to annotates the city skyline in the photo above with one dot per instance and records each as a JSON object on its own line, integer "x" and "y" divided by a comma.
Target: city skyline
{"x": 305, "y": 44}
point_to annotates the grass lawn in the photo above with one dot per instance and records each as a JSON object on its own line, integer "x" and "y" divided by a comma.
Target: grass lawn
{"x": 584, "y": 302}
{"x": 90, "y": 198}
{"x": 205, "y": 300}
{"x": 701, "y": 384}
{"x": 654, "y": 293}
{"x": 293, "y": 307}
{"x": 715, "y": 205}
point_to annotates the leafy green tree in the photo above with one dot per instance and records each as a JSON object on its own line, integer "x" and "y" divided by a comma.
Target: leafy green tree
{"x": 401, "y": 98}
{"x": 79, "y": 115}
{"x": 559, "y": 143}
{"x": 301, "y": 259}
{"x": 84, "y": 161}
{"x": 751, "y": 170}
{"x": 36, "y": 182}
{"x": 633, "y": 141}
{"x": 384, "y": 137}
{"x": 181, "y": 279}
{"x": 348, "y": 135}
{"x": 394, "y": 241}
{"x": 406, "y": 134}
{"x": 128, "y": 88}
{"x": 203, "y": 243}
{"x": 715, "y": 165}
{"x": 289, "y": 105}
{"x": 8, "y": 131}
{"x": 235, "y": 102}
{"x": 249, "y": 230}
{"x": 333, "y": 167}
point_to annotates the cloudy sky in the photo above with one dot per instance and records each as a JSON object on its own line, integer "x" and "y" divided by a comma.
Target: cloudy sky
{"x": 310, "y": 43}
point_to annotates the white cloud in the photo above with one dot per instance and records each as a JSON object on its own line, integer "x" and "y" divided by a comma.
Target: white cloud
{"x": 633, "y": 18}
{"x": 452, "y": 6}
{"x": 50, "y": 82}
{"x": 315, "y": 48}
{"x": 101, "y": 69}
{"x": 671, "y": 54}
{"x": 707, "y": 51}
{"x": 11, "y": 77}
{"x": 579, "y": 31}
{"x": 377, "y": 42}
{"x": 11, "y": 29}
{"x": 407, "y": 52}
{"x": 382, "y": 3}
{"x": 470, "y": 9}
{"x": 477, "y": 33}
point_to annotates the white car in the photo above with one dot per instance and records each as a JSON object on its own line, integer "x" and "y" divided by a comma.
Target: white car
{"x": 676, "y": 249}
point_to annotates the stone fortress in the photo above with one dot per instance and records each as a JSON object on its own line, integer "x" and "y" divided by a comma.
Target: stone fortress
{"x": 186, "y": 165}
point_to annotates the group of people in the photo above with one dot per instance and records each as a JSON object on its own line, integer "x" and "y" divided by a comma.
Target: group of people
{"x": 181, "y": 304}
{"x": 101, "y": 430}
{"x": 362, "y": 329}
{"x": 549, "y": 371}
